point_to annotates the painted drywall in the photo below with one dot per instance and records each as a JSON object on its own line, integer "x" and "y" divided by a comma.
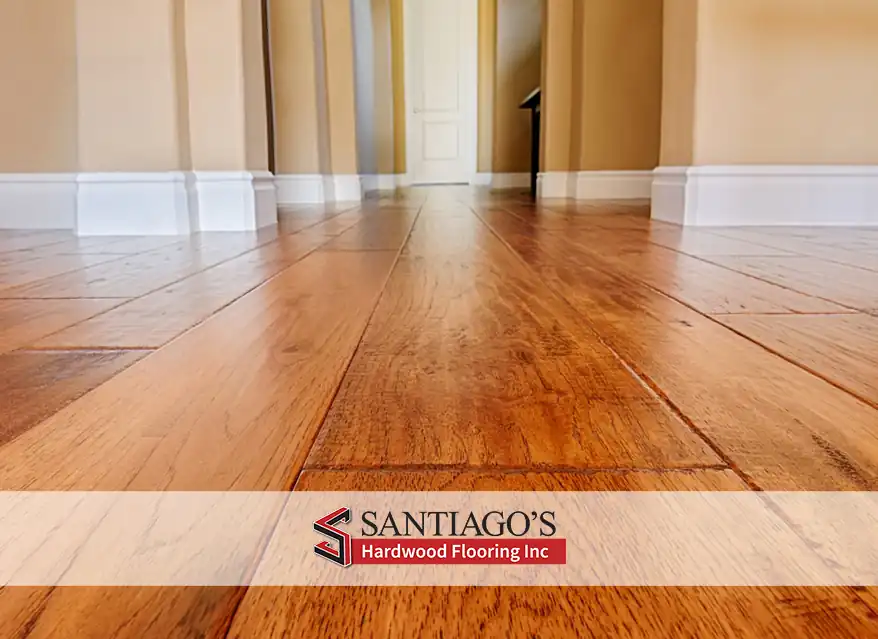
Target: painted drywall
{"x": 38, "y": 125}
{"x": 678, "y": 90}
{"x": 127, "y": 88}
{"x": 338, "y": 54}
{"x": 787, "y": 82}
{"x": 255, "y": 103}
{"x": 297, "y": 147}
{"x": 602, "y": 85}
{"x": 621, "y": 89}
{"x": 518, "y": 66}
{"x": 487, "y": 57}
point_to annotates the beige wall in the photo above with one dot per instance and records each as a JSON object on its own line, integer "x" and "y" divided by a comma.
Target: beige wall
{"x": 787, "y": 82}
{"x": 38, "y": 80}
{"x": 297, "y": 146}
{"x": 678, "y": 90}
{"x": 127, "y": 96}
{"x": 622, "y": 85}
{"x": 602, "y": 85}
{"x": 518, "y": 66}
{"x": 340, "y": 99}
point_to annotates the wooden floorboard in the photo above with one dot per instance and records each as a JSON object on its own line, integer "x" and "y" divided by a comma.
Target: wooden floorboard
{"x": 522, "y": 612}
{"x": 468, "y": 360}
{"x": 847, "y": 285}
{"x": 783, "y": 427}
{"x": 840, "y": 348}
{"x": 508, "y": 346}
{"x": 23, "y": 322}
{"x": 35, "y": 385}
{"x": 158, "y": 317}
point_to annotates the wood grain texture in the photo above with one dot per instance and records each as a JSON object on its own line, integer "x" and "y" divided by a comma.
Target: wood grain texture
{"x": 469, "y": 361}
{"x": 847, "y": 285}
{"x": 709, "y": 288}
{"x": 523, "y": 612}
{"x": 22, "y": 273}
{"x": 783, "y": 427}
{"x": 158, "y": 317}
{"x": 840, "y": 348}
{"x": 23, "y": 322}
{"x": 35, "y": 385}
{"x": 131, "y": 276}
{"x": 260, "y": 374}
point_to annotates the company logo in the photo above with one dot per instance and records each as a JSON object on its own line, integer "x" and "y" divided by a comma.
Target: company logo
{"x": 341, "y": 552}
{"x": 442, "y": 537}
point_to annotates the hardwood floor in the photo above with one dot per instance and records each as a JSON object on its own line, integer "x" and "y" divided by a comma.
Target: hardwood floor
{"x": 443, "y": 339}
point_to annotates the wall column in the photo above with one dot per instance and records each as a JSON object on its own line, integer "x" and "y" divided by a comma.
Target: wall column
{"x": 227, "y": 115}
{"x": 769, "y": 113}
{"x": 132, "y": 156}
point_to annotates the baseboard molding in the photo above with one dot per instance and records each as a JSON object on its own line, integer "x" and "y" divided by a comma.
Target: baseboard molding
{"x": 553, "y": 185}
{"x": 37, "y": 201}
{"x": 766, "y": 195}
{"x": 134, "y": 204}
{"x": 235, "y": 200}
{"x": 384, "y": 182}
{"x": 319, "y": 189}
{"x": 612, "y": 185}
{"x": 502, "y": 181}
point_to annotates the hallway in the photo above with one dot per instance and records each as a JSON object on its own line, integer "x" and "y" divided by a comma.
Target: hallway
{"x": 441, "y": 339}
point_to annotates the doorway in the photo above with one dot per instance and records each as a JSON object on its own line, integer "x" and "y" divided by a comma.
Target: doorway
{"x": 441, "y": 64}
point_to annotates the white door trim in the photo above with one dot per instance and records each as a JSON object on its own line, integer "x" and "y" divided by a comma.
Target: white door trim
{"x": 472, "y": 99}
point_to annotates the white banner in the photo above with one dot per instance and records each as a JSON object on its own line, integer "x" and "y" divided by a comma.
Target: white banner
{"x": 440, "y": 538}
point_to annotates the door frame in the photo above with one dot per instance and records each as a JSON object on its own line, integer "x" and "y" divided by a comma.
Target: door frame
{"x": 471, "y": 101}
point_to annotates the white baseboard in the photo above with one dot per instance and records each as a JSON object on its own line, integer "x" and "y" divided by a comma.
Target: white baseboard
{"x": 383, "y": 182}
{"x": 299, "y": 189}
{"x": 318, "y": 189}
{"x": 502, "y": 181}
{"x": 552, "y": 185}
{"x": 134, "y": 204}
{"x": 37, "y": 200}
{"x": 612, "y": 185}
{"x": 235, "y": 200}
{"x": 766, "y": 195}
{"x": 343, "y": 188}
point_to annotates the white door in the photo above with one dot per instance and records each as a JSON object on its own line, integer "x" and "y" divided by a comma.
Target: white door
{"x": 441, "y": 80}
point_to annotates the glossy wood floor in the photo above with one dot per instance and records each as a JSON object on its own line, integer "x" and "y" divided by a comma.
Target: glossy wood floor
{"x": 441, "y": 339}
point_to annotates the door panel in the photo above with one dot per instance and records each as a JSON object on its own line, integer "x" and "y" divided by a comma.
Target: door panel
{"x": 439, "y": 55}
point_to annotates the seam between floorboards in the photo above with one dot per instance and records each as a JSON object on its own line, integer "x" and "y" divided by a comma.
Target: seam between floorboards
{"x": 644, "y": 379}
{"x": 310, "y": 445}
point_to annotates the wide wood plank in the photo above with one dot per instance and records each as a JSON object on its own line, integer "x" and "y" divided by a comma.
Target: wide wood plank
{"x": 782, "y": 426}
{"x": 19, "y": 240}
{"x": 157, "y": 318}
{"x": 707, "y": 287}
{"x": 23, "y": 322}
{"x": 20, "y": 273}
{"x": 35, "y": 385}
{"x": 840, "y": 348}
{"x": 131, "y": 276}
{"x": 469, "y": 361}
{"x": 847, "y": 285}
{"x": 529, "y": 612}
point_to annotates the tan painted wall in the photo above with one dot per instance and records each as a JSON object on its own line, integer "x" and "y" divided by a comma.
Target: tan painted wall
{"x": 602, "y": 82}
{"x": 297, "y": 145}
{"x": 38, "y": 76}
{"x": 487, "y": 82}
{"x": 341, "y": 101}
{"x": 558, "y": 85}
{"x": 678, "y": 91}
{"x": 215, "y": 89}
{"x": 126, "y": 67}
{"x": 518, "y": 68}
{"x": 622, "y": 85}
{"x": 255, "y": 103}
{"x": 383, "y": 73}
{"x": 787, "y": 82}
{"x": 397, "y": 38}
